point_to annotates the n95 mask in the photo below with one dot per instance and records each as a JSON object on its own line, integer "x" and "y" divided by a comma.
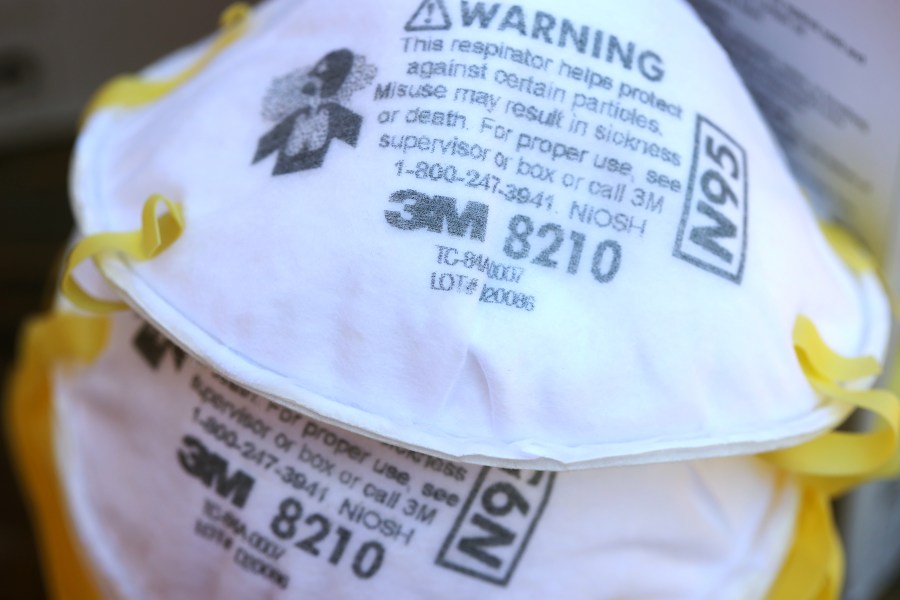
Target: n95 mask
{"x": 542, "y": 235}
{"x": 180, "y": 484}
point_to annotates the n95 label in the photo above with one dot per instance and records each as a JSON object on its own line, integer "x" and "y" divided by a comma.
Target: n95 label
{"x": 713, "y": 230}
{"x": 493, "y": 529}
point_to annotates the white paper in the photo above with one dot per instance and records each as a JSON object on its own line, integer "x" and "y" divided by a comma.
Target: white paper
{"x": 826, "y": 76}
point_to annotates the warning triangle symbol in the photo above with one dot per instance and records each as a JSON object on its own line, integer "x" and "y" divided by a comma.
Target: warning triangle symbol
{"x": 430, "y": 16}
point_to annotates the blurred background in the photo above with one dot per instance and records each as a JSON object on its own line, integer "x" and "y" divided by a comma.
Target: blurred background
{"x": 53, "y": 55}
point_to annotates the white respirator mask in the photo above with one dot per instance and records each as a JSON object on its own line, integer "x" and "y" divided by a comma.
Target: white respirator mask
{"x": 180, "y": 484}
{"x": 524, "y": 235}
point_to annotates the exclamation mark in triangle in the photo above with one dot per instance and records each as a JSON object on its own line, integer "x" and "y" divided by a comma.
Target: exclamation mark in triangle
{"x": 430, "y": 16}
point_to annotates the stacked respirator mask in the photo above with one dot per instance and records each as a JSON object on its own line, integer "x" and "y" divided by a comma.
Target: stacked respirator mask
{"x": 527, "y": 237}
{"x": 207, "y": 490}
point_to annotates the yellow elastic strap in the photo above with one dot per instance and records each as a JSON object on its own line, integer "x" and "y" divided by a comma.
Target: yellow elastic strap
{"x": 821, "y": 362}
{"x": 814, "y": 566}
{"x": 837, "y": 460}
{"x": 58, "y": 338}
{"x": 848, "y": 248}
{"x": 859, "y": 259}
{"x": 130, "y": 91}
{"x": 157, "y": 233}
{"x": 893, "y": 379}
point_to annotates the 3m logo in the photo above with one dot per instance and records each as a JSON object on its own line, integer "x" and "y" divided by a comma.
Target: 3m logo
{"x": 432, "y": 212}
{"x": 153, "y": 347}
{"x": 492, "y": 530}
{"x": 212, "y": 470}
{"x": 713, "y": 230}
